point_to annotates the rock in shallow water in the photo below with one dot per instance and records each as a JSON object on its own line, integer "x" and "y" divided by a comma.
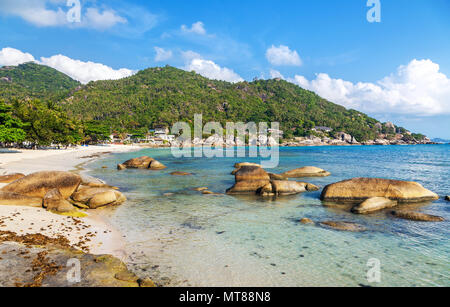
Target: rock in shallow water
{"x": 344, "y": 226}
{"x": 307, "y": 171}
{"x": 247, "y": 173}
{"x": 373, "y": 204}
{"x": 360, "y": 189}
{"x": 447, "y": 198}
{"x": 306, "y": 221}
{"x": 98, "y": 197}
{"x": 38, "y": 184}
{"x": 416, "y": 216}
{"x": 278, "y": 187}
{"x": 180, "y": 174}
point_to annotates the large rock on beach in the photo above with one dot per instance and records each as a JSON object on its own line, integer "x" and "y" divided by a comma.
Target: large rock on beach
{"x": 344, "y": 226}
{"x": 98, "y": 197}
{"x": 416, "y": 216}
{"x": 373, "y": 204}
{"x": 14, "y": 199}
{"x": 359, "y": 189}
{"x": 307, "y": 171}
{"x": 54, "y": 201}
{"x": 11, "y": 177}
{"x": 247, "y": 173}
{"x": 38, "y": 184}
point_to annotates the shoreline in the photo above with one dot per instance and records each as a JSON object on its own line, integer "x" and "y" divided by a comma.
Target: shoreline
{"x": 93, "y": 233}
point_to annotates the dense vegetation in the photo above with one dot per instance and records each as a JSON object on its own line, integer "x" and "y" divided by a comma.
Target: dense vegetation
{"x": 168, "y": 95}
{"x": 44, "y": 106}
{"x": 34, "y": 81}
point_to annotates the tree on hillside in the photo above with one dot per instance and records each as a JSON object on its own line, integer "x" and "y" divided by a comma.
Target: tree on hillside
{"x": 10, "y": 127}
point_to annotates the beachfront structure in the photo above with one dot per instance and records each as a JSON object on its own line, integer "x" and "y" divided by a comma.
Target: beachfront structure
{"x": 322, "y": 129}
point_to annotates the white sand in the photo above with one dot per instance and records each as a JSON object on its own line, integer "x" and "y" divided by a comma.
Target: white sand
{"x": 26, "y": 220}
{"x": 30, "y": 161}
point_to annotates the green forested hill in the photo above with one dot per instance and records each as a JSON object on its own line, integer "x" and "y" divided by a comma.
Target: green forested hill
{"x": 34, "y": 81}
{"x": 167, "y": 95}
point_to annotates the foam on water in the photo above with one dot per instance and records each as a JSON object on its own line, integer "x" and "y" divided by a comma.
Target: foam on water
{"x": 204, "y": 240}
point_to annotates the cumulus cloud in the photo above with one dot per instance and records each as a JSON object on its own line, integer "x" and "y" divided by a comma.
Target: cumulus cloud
{"x": 85, "y": 71}
{"x": 13, "y": 57}
{"x": 196, "y": 28}
{"x": 162, "y": 54}
{"x": 275, "y": 74}
{"x": 208, "y": 69}
{"x": 51, "y": 13}
{"x": 283, "y": 56}
{"x": 418, "y": 88}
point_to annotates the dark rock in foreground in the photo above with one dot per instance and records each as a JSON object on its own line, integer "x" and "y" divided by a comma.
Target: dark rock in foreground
{"x": 360, "y": 189}
{"x": 447, "y": 198}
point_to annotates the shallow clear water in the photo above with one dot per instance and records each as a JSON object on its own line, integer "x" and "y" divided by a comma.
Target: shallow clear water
{"x": 193, "y": 239}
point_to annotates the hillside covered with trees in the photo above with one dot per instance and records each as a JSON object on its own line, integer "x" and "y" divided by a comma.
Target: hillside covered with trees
{"x": 43, "y": 105}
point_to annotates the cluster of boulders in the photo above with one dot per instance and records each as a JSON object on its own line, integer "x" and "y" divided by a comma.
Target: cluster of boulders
{"x": 59, "y": 192}
{"x": 253, "y": 179}
{"x": 375, "y": 194}
{"x": 142, "y": 163}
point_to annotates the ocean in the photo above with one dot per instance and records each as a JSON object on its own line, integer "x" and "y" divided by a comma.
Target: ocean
{"x": 180, "y": 237}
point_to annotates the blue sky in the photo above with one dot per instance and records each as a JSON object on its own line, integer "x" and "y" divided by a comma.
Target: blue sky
{"x": 397, "y": 70}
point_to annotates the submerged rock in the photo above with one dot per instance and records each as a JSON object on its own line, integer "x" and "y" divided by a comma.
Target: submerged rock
{"x": 373, "y": 204}
{"x": 38, "y": 184}
{"x": 360, "y": 189}
{"x": 180, "y": 174}
{"x": 306, "y": 221}
{"x": 14, "y": 199}
{"x": 416, "y": 216}
{"x": 54, "y": 201}
{"x": 307, "y": 171}
{"x": 11, "y": 177}
{"x": 121, "y": 167}
{"x": 344, "y": 226}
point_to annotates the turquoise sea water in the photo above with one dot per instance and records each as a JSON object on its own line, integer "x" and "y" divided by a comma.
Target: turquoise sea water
{"x": 187, "y": 238}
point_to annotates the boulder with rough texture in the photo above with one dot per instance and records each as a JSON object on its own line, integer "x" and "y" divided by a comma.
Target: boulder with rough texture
{"x": 373, "y": 204}
{"x": 276, "y": 177}
{"x": 247, "y": 186}
{"x": 239, "y": 165}
{"x": 344, "y": 226}
{"x": 93, "y": 182}
{"x": 38, "y": 184}
{"x": 141, "y": 162}
{"x": 54, "y": 201}
{"x": 311, "y": 187}
{"x": 14, "y": 199}
{"x": 307, "y": 171}
{"x": 359, "y": 189}
{"x": 247, "y": 173}
{"x": 11, "y": 177}
{"x": 98, "y": 197}
{"x": 416, "y": 216}
{"x": 279, "y": 187}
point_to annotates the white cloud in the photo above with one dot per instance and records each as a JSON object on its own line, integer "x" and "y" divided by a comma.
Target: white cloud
{"x": 13, "y": 57}
{"x": 196, "y": 28}
{"x": 283, "y": 56}
{"x": 209, "y": 69}
{"x": 51, "y": 13}
{"x": 275, "y": 74}
{"x": 85, "y": 71}
{"x": 418, "y": 88}
{"x": 162, "y": 54}
{"x": 101, "y": 20}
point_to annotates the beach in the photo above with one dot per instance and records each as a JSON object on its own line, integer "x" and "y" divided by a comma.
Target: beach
{"x": 102, "y": 237}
